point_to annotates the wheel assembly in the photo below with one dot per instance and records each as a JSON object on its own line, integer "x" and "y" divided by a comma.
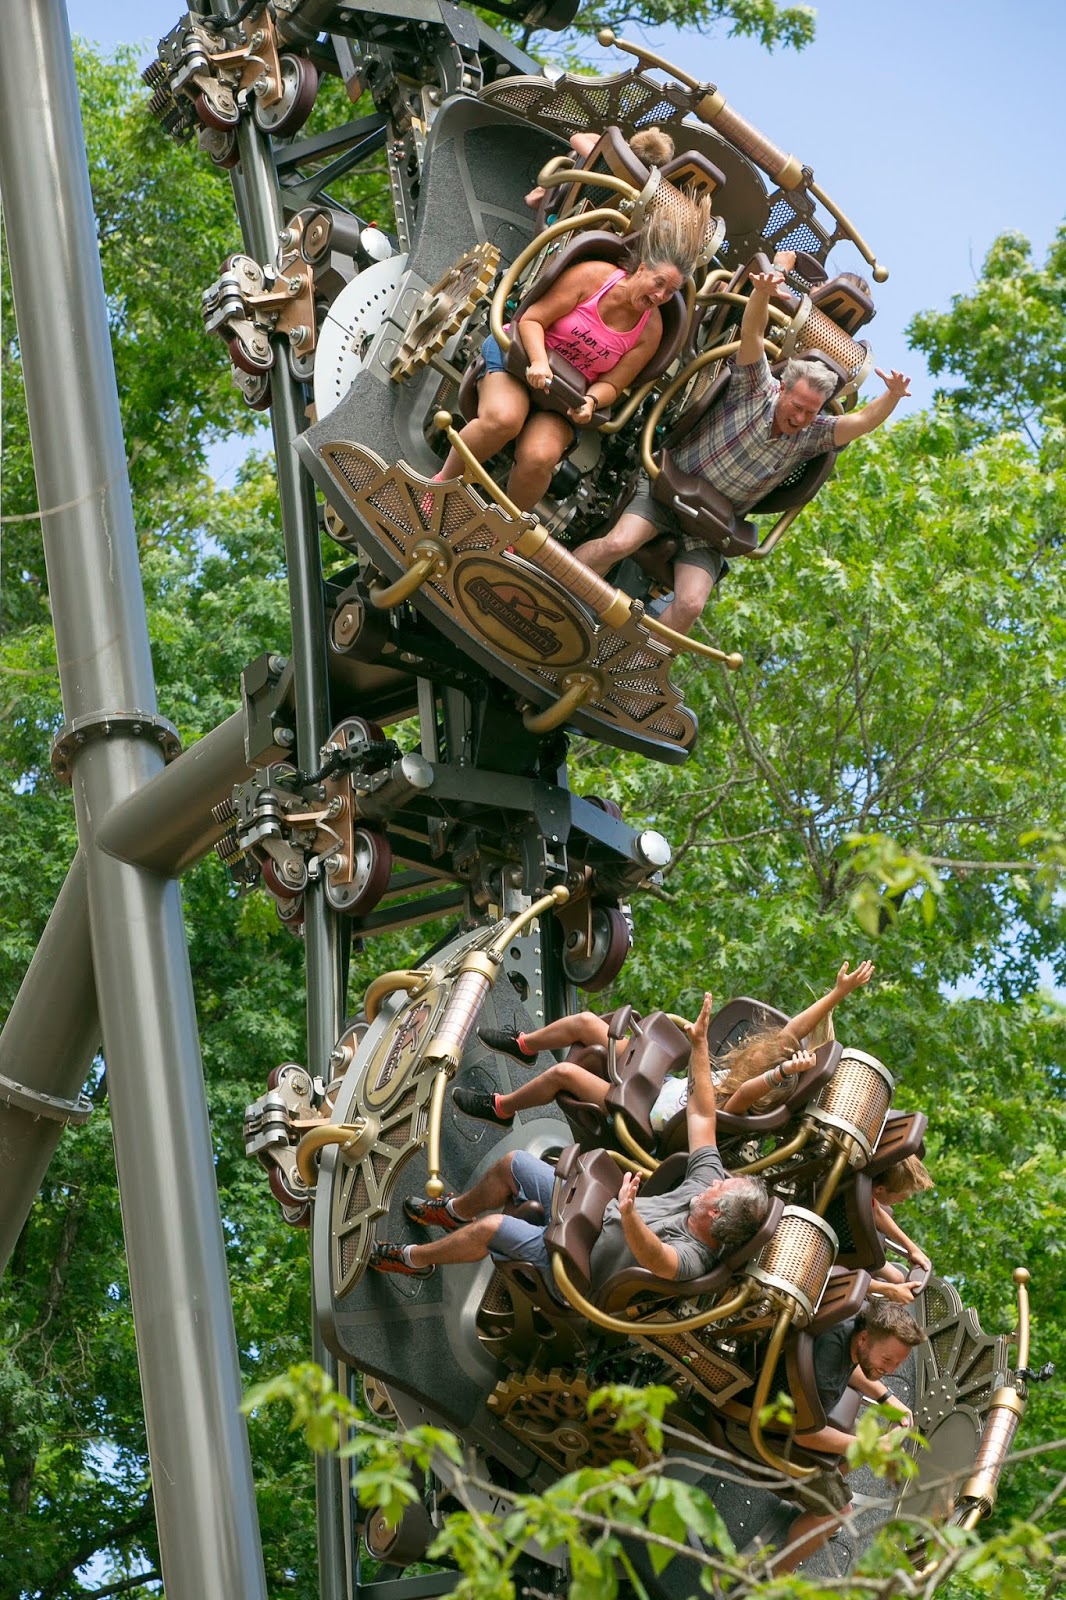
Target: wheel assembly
{"x": 404, "y": 1543}
{"x": 597, "y": 966}
{"x": 299, "y": 86}
{"x": 366, "y": 877}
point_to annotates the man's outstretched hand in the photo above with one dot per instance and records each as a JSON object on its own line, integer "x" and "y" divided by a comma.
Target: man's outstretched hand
{"x": 897, "y": 385}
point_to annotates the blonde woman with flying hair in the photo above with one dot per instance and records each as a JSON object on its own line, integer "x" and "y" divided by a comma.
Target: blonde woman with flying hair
{"x": 604, "y": 320}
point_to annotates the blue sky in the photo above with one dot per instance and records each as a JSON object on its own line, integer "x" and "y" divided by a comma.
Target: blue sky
{"x": 935, "y": 124}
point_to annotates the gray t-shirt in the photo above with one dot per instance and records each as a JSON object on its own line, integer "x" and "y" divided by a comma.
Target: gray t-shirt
{"x": 833, "y": 1363}
{"x": 666, "y": 1216}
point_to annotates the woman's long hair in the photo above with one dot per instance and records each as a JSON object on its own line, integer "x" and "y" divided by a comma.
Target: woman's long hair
{"x": 674, "y": 234}
{"x": 755, "y": 1054}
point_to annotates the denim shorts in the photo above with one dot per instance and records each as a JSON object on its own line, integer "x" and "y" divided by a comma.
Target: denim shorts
{"x": 516, "y": 1239}
{"x": 494, "y": 357}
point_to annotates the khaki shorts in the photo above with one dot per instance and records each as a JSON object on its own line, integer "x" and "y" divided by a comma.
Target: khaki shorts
{"x": 826, "y": 1491}
{"x": 690, "y": 552}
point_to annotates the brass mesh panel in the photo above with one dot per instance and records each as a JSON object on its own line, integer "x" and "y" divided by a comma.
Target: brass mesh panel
{"x": 943, "y": 1343}
{"x": 496, "y": 1298}
{"x": 358, "y": 1197}
{"x": 937, "y": 1304}
{"x": 349, "y": 1253}
{"x": 631, "y": 705}
{"x": 633, "y": 683}
{"x": 822, "y": 334}
{"x": 392, "y": 504}
{"x": 798, "y": 1257}
{"x": 355, "y": 469}
{"x": 479, "y": 539}
{"x": 983, "y": 1371}
{"x": 610, "y": 645}
{"x": 967, "y": 1352}
{"x": 857, "y": 1096}
{"x": 691, "y": 1358}
{"x": 670, "y": 727}
{"x": 517, "y": 99}
{"x": 669, "y": 197}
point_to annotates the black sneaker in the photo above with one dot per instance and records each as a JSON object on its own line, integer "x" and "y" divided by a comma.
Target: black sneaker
{"x": 482, "y": 1106}
{"x": 505, "y": 1040}
{"x": 432, "y": 1213}
{"x": 389, "y": 1258}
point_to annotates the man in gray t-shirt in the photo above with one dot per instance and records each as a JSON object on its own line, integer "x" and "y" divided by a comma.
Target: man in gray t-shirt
{"x": 679, "y": 1235}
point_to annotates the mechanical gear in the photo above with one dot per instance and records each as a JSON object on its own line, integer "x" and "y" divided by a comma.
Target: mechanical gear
{"x": 442, "y": 310}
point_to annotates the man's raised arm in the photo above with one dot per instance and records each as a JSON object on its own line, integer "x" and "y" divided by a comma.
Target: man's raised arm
{"x": 857, "y": 423}
{"x": 702, "y": 1112}
{"x": 756, "y": 315}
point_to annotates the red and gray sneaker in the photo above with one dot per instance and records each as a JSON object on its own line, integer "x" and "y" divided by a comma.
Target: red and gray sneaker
{"x": 505, "y": 1040}
{"x": 389, "y": 1258}
{"x": 475, "y": 1103}
{"x": 432, "y": 1213}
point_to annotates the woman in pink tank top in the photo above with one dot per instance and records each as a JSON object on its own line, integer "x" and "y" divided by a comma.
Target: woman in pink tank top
{"x": 603, "y": 320}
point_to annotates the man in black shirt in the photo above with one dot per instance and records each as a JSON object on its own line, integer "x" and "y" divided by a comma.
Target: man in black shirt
{"x": 859, "y": 1353}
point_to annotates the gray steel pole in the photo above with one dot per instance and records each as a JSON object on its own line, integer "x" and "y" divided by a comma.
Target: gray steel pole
{"x": 47, "y": 1047}
{"x": 255, "y": 188}
{"x": 205, "y": 1504}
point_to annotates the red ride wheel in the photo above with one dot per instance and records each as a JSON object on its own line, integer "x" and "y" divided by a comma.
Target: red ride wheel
{"x": 299, "y": 86}
{"x": 297, "y": 1208}
{"x": 263, "y": 397}
{"x": 612, "y": 808}
{"x": 211, "y": 117}
{"x": 243, "y": 358}
{"x": 598, "y": 967}
{"x": 371, "y": 871}
{"x": 276, "y": 883}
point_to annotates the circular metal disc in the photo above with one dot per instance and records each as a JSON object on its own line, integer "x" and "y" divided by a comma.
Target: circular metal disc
{"x": 354, "y": 320}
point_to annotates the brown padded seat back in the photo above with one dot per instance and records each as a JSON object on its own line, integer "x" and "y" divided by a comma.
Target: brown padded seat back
{"x": 737, "y": 1020}
{"x": 844, "y": 303}
{"x": 658, "y": 1048}
{"x": 851, "y": 1217}
{"x": 845, "y": 1295}
{"x": 612, "y": 154}
{"x": 586, "y": 1181}
{"x": 902, "y": 1135}
{"x": 799, "y": 487}
{"x": 693, "y": 171}
{"x": 754, "y": 1124}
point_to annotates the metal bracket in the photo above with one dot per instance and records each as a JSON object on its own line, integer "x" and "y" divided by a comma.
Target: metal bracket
{"x": 39, "y": 1104}
{"x": 74, "y": 736}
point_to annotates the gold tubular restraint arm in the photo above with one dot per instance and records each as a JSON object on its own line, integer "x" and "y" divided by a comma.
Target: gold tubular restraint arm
{"x": 617, "y": 607}
{"x": 1021, "y": 1280}
{"x": 978, "y": 1494}
{"x": 430, "y": 557}
{"x": 434, "y": 1185}
{"x": 832, "y": 1182}
{"x": 547, "y": 177}
{"x": 583, "y": 220}
{"x": 577, "y": 688}
{"x": 576, "y": 1299}
{"x": 627, "y": 1165}
{"x": 316, "y": 1139}
{"x": 880, "y": 273}
{"x": 762, "y": 1391}
{"x": 557, "y": 896}
{"x": 775, "y": 1158}
{"x": 387, "y": 983}
{"x": 641, "y": 1157}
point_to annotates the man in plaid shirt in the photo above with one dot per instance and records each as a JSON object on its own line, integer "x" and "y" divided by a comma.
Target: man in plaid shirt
{"x": 744, "y": 447}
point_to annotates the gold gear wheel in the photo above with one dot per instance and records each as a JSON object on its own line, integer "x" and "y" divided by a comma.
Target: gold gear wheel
{"x": 550, "y": 1416}
{"x": 442, "y": 310}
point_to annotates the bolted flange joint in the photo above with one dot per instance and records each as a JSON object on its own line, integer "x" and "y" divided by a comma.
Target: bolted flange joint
{"x": 75, "y": 735}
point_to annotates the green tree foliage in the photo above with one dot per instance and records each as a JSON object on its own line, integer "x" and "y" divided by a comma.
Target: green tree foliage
{"x": 766, "y": 21}
{"x": 905, "y": 655}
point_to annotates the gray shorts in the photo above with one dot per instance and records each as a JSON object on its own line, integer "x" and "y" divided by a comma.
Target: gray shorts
{"x": 690, "y": 552}
{"x": 516, "y": 1239}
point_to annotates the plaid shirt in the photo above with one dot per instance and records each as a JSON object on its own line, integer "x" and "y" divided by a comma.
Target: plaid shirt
{"x": 734, "y": 447}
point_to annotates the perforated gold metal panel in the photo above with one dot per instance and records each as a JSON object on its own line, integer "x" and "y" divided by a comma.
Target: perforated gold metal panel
{"x": 796, "y": 1261}
{"x": 819, "y": 333}
{"x": 855, "y": 1101}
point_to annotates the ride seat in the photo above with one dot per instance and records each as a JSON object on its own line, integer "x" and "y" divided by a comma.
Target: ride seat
{"x": 851, "y": 1217}
{"x": 734, "y": 1129}
{"x": 844, "y": 303}
{"x": 612, "y": 154}
{"x": 569, "y": 386}
{"x": 902, "y": 1135}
